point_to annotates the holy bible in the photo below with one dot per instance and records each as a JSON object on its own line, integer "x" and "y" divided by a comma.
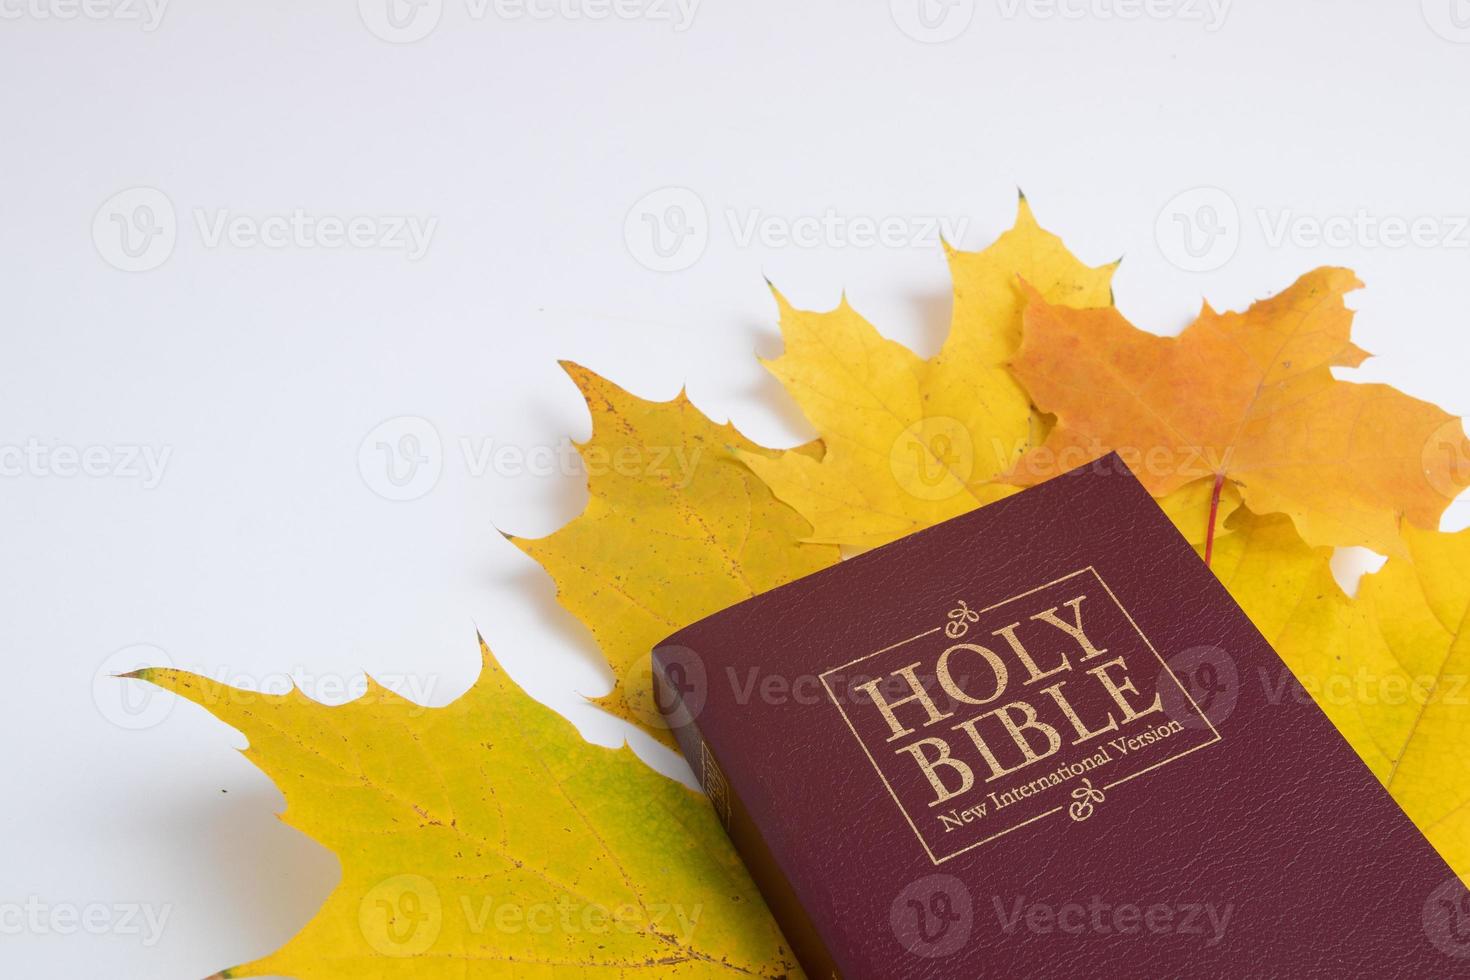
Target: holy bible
{"x": 1042, "y": 740}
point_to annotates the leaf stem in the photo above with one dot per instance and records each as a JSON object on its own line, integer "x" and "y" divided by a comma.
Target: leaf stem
{"x": 1214, "y": 513}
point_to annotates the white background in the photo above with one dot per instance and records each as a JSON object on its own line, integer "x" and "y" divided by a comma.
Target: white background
{"x": 265, "y": 550}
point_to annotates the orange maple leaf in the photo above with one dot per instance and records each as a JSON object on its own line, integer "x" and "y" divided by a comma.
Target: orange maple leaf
{"x": 1250, "y": 399}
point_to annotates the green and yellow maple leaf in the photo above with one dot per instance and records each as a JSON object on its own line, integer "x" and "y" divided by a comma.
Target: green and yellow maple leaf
{"x": 487, "y": 839}
{"x": 675, "y": 529}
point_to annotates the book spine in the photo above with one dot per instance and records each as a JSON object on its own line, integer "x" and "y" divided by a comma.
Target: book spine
{"x": 775, "y": 887}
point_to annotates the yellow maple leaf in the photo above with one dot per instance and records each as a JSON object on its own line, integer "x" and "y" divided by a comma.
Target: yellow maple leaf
{"x": 487, "y": 839}
{"x": 1247, "y": 398}
{"x": 897, "y": 456}
{"x": 675, "y": 529}
{"x": 990, "y": 299}
{"x": 911, "y": 442}
{"x": 1391, "y": 669}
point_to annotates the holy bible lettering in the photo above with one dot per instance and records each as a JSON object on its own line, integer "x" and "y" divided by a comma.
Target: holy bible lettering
{"x": 991, "y": 719}
{"x": 1015, "y": 733}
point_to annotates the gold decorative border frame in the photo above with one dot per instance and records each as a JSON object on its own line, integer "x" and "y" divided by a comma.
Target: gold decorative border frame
{"x": 919, "y": 636}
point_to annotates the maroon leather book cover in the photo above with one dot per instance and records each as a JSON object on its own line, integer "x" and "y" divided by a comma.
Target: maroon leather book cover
{"x": 1031, "y": 742}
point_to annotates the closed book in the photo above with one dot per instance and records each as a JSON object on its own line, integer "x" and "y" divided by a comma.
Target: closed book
{"x": 1032, "y": 742}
